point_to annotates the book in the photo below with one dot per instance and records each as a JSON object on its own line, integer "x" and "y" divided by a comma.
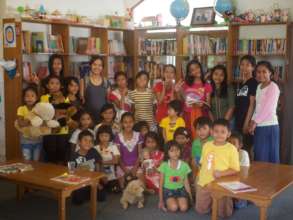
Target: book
{"x": 38, "y": 42}
{"x": 237, "y": 187}
{"x": 15, "y": 168}
{"x": 116, "y": 43}
{"x": 82, "y": 45}
{"x": 55, "y": 44}
{"x": 26, "y": 42}
{"x": 70, "y": 179}
{"x": 157, "y": 47}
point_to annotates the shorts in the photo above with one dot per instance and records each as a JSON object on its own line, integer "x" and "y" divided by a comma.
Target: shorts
{"x": 174, "y": 193}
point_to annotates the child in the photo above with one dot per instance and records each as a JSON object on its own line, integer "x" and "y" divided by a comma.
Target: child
{"x": 236, "y": 140}
{"x": 31, "y": 147}
{"x": 174, "y": 185}
{"x": 164, "y": 91}
{"x": 182, "y": 137}
{"x": 94, "y": 88}
{"x": 142, "y": 127}
{"x": 107, "y": 116}
{"x": 264, "y": 122}
{"x": 85, "y": 158}
{"x": 219, "y": 158}
{"x": 85, "y": 123}
{"x": 56, "y": 146}
{"x": 129, "y": 144}
{"x": 222, "y": 98}
{"x": 203, "y": 129}
{"x": 119, "y": 96}
{"x": 109, "y": 152}
{"x": 172, "y": 121}
{"x": 143, "y": 100}
{"x": 196, "y": 94}
{"x": 151, "y": 160}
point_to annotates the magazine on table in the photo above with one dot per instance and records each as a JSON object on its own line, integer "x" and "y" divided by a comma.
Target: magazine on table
{"x": 237, "y": 187}
{"x": 15, "y": 168}
{"x": 70, "y": 179}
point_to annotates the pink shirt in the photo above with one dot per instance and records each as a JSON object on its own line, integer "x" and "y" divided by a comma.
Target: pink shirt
{"x": 198, "y": 91}
{"x": 265, "y": 113}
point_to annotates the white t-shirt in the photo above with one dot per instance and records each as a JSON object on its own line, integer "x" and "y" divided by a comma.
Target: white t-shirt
{"x": 74, "y": 137}
{"x": 244, "y": 158}
{"x": 107, "y": 154}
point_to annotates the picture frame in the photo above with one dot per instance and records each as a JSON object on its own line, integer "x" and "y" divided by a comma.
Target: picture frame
{"x": 202, "y": 16}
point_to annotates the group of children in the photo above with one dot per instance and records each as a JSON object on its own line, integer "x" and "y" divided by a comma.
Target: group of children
{"x": 167, "y": 136}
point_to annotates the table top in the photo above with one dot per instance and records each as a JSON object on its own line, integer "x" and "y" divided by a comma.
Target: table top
{"x": 269, "y": 179}
{"x": 42, "y": 174}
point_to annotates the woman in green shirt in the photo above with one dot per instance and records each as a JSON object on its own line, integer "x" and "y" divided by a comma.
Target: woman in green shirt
{"x": 223, "y": 95}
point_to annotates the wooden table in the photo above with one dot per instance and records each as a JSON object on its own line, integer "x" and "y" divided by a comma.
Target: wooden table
{"x": 269, "y": 179}
{"x": 40, "y": 178}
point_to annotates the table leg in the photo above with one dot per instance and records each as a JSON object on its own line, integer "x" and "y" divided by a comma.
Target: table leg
{"x": 215, "y": 208}
{"x": 61, "y": 206}
{"x": 19, "y": 191}
{"x": 263, "y": 213}
{"x": 94, "y": 201}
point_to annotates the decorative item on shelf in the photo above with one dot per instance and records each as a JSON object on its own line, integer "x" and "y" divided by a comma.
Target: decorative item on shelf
{"x": 20, "y": 10}
{"x": 179, "y": 10}
{"x": 149, "y": 21}
{"x": 42, "y": 12}
{"x": 225, "y": 9}
{"x": 10, "y": 67}
{"x": 204, "y": 15}
{"x": 55, "y": 15}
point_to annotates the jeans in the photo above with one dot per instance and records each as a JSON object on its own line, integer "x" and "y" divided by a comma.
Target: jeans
{"x": 31, "y": 151}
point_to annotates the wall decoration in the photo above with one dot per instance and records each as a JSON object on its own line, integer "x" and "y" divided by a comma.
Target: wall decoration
{"x": 9, "y": 35}
{"x": 203, "y": 16}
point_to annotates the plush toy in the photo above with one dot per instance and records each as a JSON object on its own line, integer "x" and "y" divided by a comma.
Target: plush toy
{"x": 133, "y": 194}
{"x": 41, "y": 120}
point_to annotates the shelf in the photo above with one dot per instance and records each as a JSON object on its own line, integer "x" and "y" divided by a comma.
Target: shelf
{"x": 63, "y": 54}
{"x": 256, "y": 24}
{"x": 168, "y": 55}
{"x": 261, "y": 55}
{"x": 203, "y": 55}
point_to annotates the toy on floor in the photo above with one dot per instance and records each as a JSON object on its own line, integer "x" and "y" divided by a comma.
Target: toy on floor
{"x": 133, "y": 194}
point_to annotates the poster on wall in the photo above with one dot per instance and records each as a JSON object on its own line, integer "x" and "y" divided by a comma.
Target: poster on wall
{"x": 9, "y": 35}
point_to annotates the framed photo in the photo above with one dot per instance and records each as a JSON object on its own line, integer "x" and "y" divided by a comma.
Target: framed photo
{"x": 203, "y": 16}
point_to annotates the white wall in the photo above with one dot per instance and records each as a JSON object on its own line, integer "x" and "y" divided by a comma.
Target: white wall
{"x": 91, "y": 8}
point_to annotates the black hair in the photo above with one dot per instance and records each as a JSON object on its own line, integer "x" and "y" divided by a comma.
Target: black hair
{"x": 267, "y": 65}
{"x": 139, "y": 125}
{"x": 202, "y": 121}
{"x": 50, "y": 77}
{"x": 182, "y": 131}
{"x": 51, "y": 61}
{"x": 125, "y": 115}
{"x": 251, "y": 59}
{"x": 176, "y": 105}
{"x": 32, "y": 88}
{"x": 190, "y": 79}
{"x": 82, "y": 113}
{"x": 141, "y": 73}
{"x": 171, "y": 66}
{"x": 85, "y": 133}
{"x": 154, "y": 136}
{"x": 106, "y": 107}
{"x": 222, "y": 122}
{"x": 120, "y": 73}
{"x": 238, "y": 136}
{"x": 224, "y": 84}
{"x": 104, "y": 129}
{"x": 94, "y": 58}
{"x": 168, "y": 146}
{"x": 67, "y": 82}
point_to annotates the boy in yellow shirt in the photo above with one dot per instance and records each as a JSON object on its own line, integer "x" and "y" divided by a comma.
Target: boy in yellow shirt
{"x": 173, "y": 121}
{"x": 219, "y": 158}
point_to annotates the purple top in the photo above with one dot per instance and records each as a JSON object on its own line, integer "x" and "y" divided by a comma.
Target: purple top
{"x": 128, "y": 148}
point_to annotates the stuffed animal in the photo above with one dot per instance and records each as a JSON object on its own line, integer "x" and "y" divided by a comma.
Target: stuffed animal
{"x": 133, "y": 194}
{"x": 41, "y": 120}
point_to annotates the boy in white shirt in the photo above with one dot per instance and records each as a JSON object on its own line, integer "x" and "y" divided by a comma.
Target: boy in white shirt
{"x": 237, "y": 140}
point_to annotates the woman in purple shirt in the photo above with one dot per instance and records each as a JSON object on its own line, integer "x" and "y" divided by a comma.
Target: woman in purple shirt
{"x": 129, "y": 143}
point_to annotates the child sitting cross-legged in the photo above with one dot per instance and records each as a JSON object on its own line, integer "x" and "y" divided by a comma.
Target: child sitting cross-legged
{"x": 219, "y": 158}
{"x": 86, "y": 158}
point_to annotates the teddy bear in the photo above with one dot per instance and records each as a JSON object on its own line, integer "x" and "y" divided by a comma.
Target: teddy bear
{"x": 133, "y": 193}
{"x": 41, "y": 120}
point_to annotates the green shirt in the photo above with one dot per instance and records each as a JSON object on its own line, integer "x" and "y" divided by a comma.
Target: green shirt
{"x": 197, "y": 148}
{"x": 174, "y": 178}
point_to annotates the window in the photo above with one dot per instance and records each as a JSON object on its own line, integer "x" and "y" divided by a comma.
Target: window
{"x": 155, "y": 7}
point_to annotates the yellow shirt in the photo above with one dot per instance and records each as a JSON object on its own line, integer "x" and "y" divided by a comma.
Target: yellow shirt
{"x": 218, "y": 158}
{"x": 169, "y": 128}
{"x": 46, "y": 98}
{"x": 22, "y": 111}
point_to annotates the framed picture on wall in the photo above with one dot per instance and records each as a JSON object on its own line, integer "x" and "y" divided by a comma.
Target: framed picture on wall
{"x": 204, "y": 15}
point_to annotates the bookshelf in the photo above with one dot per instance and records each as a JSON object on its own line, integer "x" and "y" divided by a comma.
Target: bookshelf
{"x": 99, "y": 39}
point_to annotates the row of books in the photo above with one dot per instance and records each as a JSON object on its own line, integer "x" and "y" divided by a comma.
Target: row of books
{"x": 156, "y": 47}
{"x": 204, "y": 45}
{"x": 116, "y": 43}
{"x": 261, "y": 47}
{"x": 85, "y": 45}
{"x": 40, "y": 42}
